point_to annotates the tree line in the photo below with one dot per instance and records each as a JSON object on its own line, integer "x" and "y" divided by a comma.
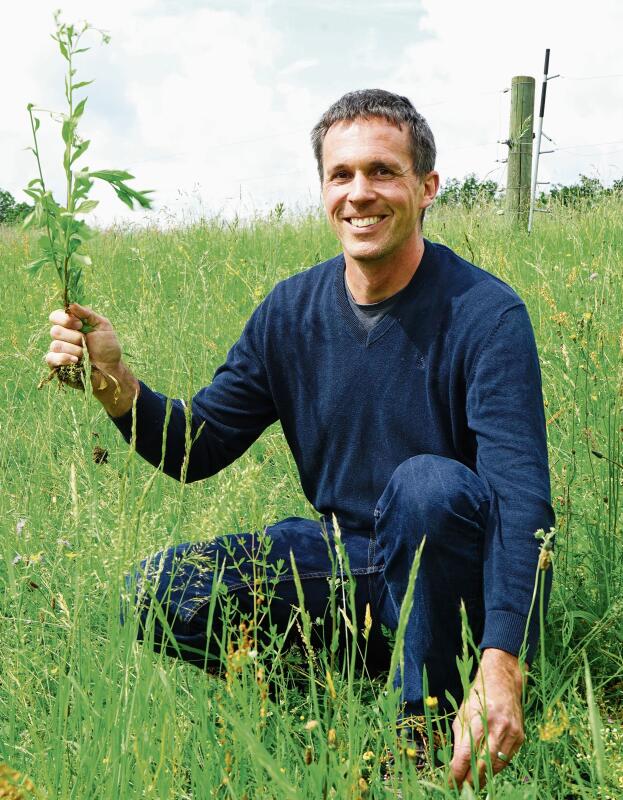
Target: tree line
{"x": 469, "y": 193}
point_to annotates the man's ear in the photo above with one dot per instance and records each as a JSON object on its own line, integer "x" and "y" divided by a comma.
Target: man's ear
{"x": 431, "y": 187}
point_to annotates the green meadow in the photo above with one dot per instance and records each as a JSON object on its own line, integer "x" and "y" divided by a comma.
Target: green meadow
{"x": 87, "y": 712}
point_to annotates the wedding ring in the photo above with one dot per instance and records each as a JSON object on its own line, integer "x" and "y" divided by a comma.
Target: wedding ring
{"x": 502, "y": 756}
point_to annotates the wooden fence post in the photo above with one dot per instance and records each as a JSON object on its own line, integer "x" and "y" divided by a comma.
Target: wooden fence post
{"x": 520, "y": 149}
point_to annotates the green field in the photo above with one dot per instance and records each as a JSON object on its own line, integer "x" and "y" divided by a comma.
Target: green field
{"x": 86, "y": 712}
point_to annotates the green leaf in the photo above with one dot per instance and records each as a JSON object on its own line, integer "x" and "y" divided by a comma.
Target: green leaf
{"x": 123, "y": 196}
{"x": 63, "y": 50}
{"x": 87, "y": 206}
{"x": 81, "y": 85}
{"x": 79, "y": 109}
{"x": 112, "y": 175}
{"x": 34, "y": 182}
{"x": 67, "y": 131}
{"x": 29, "y": 219}
{"x": 34, "y": 266}
{"x": 82, "y": 50}
{"x": 80, "y": 150}
{"x": 37, "y": 123}
{"x": 34, "y": 193}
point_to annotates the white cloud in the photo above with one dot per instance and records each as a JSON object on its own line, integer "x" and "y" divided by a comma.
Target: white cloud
{"x": 211, "y": 103}
{"x": 457, "y": 77}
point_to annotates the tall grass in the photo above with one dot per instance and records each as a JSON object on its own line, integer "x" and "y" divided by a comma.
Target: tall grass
{"x": 86, "y": 712}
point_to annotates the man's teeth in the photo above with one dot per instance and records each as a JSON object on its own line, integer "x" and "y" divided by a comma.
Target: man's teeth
{"x": 364, "y": 222}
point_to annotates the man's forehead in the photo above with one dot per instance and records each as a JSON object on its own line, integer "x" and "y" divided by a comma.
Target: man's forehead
{"x": 365, "y": 136}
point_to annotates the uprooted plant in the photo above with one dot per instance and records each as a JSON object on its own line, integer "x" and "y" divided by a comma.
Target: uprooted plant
{"x": 62, "y": 243}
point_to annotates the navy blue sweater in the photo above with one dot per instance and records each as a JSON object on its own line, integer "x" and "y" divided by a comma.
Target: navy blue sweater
{"x": 452, "y": 370}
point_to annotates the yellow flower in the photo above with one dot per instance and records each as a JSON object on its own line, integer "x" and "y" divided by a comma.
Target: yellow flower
{"x": 367, "y": 623}
{"x": 553, "y": 728}
{"x": 431, "y": 702}
{"x": 331, "y": 686}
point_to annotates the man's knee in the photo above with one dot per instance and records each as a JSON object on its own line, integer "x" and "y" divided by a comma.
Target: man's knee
{"x": 430, "y": 495}
{"x": 161, "y": 586}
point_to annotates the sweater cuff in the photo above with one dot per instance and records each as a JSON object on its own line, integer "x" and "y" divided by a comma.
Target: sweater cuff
{"x": 505, "y": 630}
{"x": 148, "y": 407}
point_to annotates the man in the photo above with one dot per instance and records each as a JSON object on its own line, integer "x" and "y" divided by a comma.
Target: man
{"x": 408, "y": 387}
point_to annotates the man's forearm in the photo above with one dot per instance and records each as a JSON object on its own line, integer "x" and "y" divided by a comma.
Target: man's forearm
{"x": 116, "y": 388}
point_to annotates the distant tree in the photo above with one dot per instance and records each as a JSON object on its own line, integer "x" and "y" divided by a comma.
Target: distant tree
{"x": 467, "y": 193}
{"x": 12, "y": 212}
{"x": 588, "y": 190}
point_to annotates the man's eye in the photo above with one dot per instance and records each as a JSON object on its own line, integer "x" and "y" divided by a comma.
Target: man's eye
{"x": 383, "y": 171}
{"x": 340, "y": 176}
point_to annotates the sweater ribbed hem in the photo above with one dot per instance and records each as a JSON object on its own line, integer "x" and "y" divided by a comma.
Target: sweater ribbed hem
{"x": 505, "y": 630}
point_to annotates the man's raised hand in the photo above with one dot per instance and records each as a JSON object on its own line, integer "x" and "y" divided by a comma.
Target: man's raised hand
{"x": 68, "y": 338}
{"x": 495, "y": 697}
{"x": 113, "y": 384}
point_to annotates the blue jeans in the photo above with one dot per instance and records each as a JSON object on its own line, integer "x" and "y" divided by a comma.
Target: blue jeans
{"x": 427, "y": 496}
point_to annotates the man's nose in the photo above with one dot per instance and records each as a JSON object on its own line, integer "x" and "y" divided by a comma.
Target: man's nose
{"x": 360, "y": 189}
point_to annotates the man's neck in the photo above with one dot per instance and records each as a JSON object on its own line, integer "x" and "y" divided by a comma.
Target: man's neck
{"x": 373, "y": 281}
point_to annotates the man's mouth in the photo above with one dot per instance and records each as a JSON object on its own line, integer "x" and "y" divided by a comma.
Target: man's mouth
{"x": 363, "y": 222}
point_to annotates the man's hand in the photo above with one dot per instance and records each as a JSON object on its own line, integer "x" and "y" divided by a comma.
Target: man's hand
{"x": 495, "y": 701}
{"x": 113, "y": 383}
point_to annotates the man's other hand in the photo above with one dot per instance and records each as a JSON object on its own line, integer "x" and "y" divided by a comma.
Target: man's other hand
{"x": 113, "y": 384}
{"x": 494, "y": 705}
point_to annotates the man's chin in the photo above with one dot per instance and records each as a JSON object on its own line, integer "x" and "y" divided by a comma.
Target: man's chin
{"x": 365, "y": 255}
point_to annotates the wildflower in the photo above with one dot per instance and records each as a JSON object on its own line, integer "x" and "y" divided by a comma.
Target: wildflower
{"x": 331, "y": 686}
{"x": 332, "y": 737}
{"x": 431, "y": 702}
{"x": 308, "y": 755}
{"x": 368, "y": 756}
{"x": 545, "y": 552}
{"x": 363, "y": 786}
{"x": 311, "y": 725}
{"x": 553, "y": 728}
{"x": 367, "y": 623}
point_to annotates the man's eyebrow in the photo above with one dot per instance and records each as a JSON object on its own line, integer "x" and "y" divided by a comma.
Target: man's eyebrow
{"x": 335, "y": 167}
{"x": 393, "y": 165}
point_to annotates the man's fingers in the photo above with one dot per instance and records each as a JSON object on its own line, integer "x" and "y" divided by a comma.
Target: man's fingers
{"x": 59, "y": 359}
{"x": 468, "y": 736}
{"x": 60, "y": 317}
{"x": 502, "y": 753}
{"x": 58, "y": 346}
{"x": 66, "y": 335}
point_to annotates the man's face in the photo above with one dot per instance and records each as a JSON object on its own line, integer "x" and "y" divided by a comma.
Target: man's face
{"x": 372, "y": 197}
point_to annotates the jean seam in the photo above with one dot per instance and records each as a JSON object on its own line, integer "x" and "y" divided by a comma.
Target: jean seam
{"x": 284, "y": 579}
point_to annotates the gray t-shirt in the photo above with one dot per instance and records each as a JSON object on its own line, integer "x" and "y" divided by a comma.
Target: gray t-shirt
{"x": 370, "y": 314}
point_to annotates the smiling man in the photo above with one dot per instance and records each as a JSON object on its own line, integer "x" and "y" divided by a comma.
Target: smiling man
{"x": 407, "y": 384}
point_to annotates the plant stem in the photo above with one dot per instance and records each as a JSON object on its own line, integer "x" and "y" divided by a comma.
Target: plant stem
{"x": 68, "y": 171}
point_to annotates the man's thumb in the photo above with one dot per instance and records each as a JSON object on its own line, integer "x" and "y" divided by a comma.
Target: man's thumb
{"x": 86, "y": 315}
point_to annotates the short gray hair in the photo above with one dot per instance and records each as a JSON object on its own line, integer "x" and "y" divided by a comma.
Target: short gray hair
{"x": 371, "y": 103}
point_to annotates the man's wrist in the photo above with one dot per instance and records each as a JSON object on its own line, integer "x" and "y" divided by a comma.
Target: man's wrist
{"x": 115, "y": 387}
{"x": 501, "y": 660}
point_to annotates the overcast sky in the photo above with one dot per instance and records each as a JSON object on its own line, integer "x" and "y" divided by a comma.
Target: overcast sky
{"x": 210, "y": 102}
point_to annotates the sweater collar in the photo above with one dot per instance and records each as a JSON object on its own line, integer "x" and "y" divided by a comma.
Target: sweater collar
{"x": 408, "y": 296}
